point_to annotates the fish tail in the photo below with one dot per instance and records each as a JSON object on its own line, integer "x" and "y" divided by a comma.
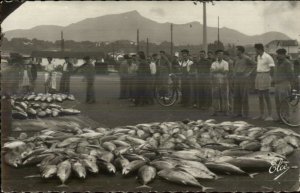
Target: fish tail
{"x": 218, "y": 177}
{"x": 253, "y": 174}
{"x": 63, "y": 186}
{"x": 204, "y": 188}
{"x": 33, "y": 176}
{"x": 144, "y": 186}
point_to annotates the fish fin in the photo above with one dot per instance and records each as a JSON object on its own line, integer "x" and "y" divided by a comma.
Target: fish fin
{"x": 33, "y": 176}
{"x": 63, "y": 186}
{"x": 144, "y": 186}
{"x": 253, "y": 174}
{"x": 204, "y": 188}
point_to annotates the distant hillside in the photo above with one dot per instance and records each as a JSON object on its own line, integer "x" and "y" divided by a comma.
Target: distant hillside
{"x": 123, "y": 26}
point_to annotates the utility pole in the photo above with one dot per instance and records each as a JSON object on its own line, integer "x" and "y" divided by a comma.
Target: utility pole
{"x": 204, "y": 28}
{"x": 171, "y": 51}
{"x": 218, "y": 34}
{"x": 62, "y": 43}
{"x": 147, "y": 48}
{"x": 137, "y": 40}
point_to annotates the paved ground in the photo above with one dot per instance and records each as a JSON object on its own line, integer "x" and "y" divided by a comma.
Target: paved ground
{"x": 112, "y": 112}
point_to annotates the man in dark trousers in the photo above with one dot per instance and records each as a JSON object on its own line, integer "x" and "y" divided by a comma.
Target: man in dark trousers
{"x": 66, "y": 75}
{"x": 204, "y": 86}
{"x": 34, "y": 69}
{"x": 242, "y": 70}
{"x": 283, "y": 78}
{"x": 163, "y": 71}
{"x": 185, "y": 65}
{"x": 88, "y": 69}
{"x": 123, "y": 72}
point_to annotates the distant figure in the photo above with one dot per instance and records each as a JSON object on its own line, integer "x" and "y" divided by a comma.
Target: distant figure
{"x": 283, "y": 78}
{"x": 211, "y": 57}
{"x": 297, "y": 73}
{"x": 152, "y": 80}
{"x": 230, "y": 80}
{"x": 185, "y": 65}
{"x": 26, "y": 76}
{"x": 88, "y": 69}
{"x": 203, "y": 82}
{"x": 67, "y": 69}
{"x": 34, "y": 69}
{"x": 219, "y": 74}
{"x": 50, "y": 77}
{"x": 163, "y": 71}
{"x": 142, "y": 81}
{"x": 264, "y": 70}
{"x": 242, "y": 70}
{"x": 133, "y": 66}
{"x": 123, "y": 72}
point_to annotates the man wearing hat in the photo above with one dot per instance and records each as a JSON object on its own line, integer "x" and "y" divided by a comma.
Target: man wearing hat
{"x": 185, "y": 65}
{"x": 66, "y": 75}
{"x": 283, "y": 77}
{"x": 89, "y": 73}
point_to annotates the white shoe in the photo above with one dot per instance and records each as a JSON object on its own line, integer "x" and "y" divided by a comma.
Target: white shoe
{"x": 269, "y": 118}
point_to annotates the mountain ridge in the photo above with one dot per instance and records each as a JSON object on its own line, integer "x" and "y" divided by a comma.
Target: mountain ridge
{"x": 114, "y": 27}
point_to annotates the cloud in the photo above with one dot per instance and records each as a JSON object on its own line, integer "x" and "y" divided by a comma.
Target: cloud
{"x": 158, "y": 11}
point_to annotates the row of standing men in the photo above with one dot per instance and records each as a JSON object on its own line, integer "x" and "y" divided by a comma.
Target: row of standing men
{"x": 216, "y": 82}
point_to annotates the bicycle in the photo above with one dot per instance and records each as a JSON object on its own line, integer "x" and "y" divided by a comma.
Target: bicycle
{"x": 168, "y": 95}
{"x": 289, "y": 110}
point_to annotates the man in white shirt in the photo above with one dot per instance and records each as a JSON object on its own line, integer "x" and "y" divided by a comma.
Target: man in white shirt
{"x": 152, "y": 81}
{"x": 185, "y": 66}
{"x": 265, "y": 65}
{"x": 50, "y": 76}
{"x": 219, "y": 74}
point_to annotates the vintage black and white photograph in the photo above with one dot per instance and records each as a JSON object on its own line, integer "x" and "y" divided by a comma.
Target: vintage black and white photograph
{"x": 143, "y": 96}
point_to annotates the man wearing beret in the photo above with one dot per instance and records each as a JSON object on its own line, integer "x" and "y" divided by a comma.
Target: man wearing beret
{"x": 283, "y": 77}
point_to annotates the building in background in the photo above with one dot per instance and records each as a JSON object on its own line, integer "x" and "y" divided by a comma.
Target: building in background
{"x": 291, "y": 46}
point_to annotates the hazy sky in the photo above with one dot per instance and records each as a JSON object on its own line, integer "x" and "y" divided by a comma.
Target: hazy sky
{"x": 250, "y": 17}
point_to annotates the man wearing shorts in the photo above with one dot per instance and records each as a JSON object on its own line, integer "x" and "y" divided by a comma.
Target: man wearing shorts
{"x": 265, "y": 65}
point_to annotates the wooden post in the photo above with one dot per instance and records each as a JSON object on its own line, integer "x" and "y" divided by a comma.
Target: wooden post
{"x": 137, "y": 41}
{"x": 62, "y": 41}
{"x": 171, "y": 51}
{"x": 204, "y": 28}
{"x": 147, "y": 48}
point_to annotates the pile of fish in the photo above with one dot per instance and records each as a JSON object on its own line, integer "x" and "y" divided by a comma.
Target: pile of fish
{"x": 183, "y": 152}
{"x": 25, "y": 109}
{"x": 45, "y": 97}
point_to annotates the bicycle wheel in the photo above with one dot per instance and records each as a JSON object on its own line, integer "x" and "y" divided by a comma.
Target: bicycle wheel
{"x": 290, "y": 111}
{"x": 166, "y": 97}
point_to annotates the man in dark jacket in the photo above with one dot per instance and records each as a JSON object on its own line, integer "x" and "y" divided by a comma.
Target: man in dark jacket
{"x": 88, "y": 69}
{"x": 204, "y": 85}
{"x": 283, "y": 77}
{"x": 66, "y": 75}
{"x": 123, "y": 72}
